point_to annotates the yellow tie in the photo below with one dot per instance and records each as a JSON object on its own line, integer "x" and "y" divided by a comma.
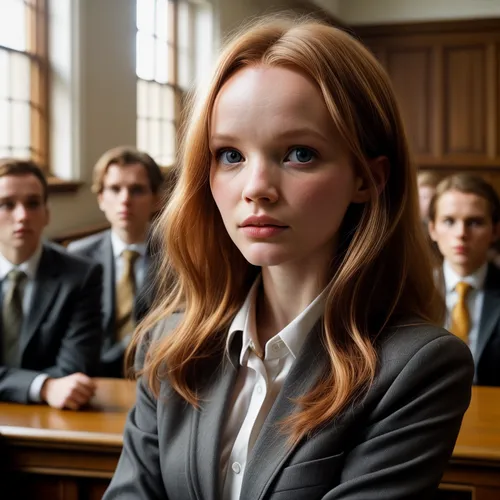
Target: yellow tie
{"x": 125, "y": 294}
{"x": 460, "y": 318}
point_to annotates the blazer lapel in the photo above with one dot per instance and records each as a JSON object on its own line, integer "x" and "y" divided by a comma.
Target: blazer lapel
{"x": 105, "y": 257}
{"x": 45, "y": 288}
{"x": 208, "y": 424}
{"x": 271, "y": 447}
{"x": 490, "y": 316}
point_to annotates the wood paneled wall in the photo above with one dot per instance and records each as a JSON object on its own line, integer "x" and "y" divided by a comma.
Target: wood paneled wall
{"x": 446, "y": 77}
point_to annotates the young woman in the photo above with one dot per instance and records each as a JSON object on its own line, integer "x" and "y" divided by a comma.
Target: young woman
{"x": 305, "y": 363}
{"x": 464, "y": 223}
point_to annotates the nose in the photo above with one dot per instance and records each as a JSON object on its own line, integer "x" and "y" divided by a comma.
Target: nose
{"x": 261, "y": 183}
{"x": 124, "y": 195}
{"x": 20, "y": 212}
{"x": 460, "y": 229}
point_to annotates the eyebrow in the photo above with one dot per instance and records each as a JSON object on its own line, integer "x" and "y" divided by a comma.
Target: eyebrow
{"x": 285, "y": 134}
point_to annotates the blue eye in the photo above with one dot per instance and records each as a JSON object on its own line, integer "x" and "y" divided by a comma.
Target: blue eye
{"x": 301, "y": 155}
{"x": 230, "y": 157}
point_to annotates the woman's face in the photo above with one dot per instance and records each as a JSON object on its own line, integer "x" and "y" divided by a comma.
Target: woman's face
{"x": 280, "y": 175}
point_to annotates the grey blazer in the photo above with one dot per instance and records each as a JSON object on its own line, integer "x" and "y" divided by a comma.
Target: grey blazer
{"x": 62, "y": 332}
{"x": 393, "y": 444}
{"x": 98, "y": 247}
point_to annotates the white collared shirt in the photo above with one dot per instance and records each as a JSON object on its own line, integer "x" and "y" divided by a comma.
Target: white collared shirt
{"x": 30, "y": 268}
{"x": 139, "y": 266}
{"x": 258, "y": 383}
{"x": 475, "y": 299}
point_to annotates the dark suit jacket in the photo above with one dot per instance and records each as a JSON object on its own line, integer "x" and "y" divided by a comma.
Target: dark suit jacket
{"x": 98, "y": 247}
{"x": 392, "y": 445}
{"x": 62, "y": 333}
{"x": 488, "y": 342}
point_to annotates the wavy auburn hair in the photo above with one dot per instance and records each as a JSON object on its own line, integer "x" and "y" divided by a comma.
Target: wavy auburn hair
{"x": 381, "y": 271}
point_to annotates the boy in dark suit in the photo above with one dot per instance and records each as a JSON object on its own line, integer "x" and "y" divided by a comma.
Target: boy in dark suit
{"x": 50, "y": 315}
{"x": 128, "y": 184}
{"x": 464, "y": 222}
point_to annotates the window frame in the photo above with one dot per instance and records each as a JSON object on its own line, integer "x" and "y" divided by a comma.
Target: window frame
{"x": 37, "y": 26}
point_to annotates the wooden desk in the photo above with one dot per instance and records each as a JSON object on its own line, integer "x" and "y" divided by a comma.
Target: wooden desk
{"x": 65, "y": 455}
{"x": 474, "y": 470}
{"x": 62, "y": 454}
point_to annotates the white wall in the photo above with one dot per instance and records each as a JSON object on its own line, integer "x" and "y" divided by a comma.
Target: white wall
{"x": 105, "y": 114}
{"x": 388, "y": 11}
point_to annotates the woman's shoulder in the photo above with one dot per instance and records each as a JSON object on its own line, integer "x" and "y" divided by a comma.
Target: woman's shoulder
{"x": 416, "y": 342}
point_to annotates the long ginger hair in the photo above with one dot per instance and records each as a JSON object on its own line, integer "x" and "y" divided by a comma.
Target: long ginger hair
{"x": 382, "y": 272}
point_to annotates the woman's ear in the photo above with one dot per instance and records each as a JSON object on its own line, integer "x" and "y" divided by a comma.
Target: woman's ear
{"x": 380, "y": 169}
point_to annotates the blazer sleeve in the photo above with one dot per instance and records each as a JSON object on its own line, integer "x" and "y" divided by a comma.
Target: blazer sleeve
{"x": 138, "y": 473}
{"x": 15, "y": 384}
{"x": 81, "y": 345}
{"x": 405, "y": 448}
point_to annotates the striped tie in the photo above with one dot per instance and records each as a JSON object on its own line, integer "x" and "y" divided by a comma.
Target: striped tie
{"x": 460, "y": 318}
{"x": 125, "y": 294}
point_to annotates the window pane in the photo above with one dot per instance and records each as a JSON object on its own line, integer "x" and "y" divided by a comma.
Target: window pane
{"x": 20, "y": 125}
{"x": 167, "y": 103}
{"x": 167, "y": 154}
{"x": 4, "y": 125}
{"x": 154, "y": 138}
{"x": 4, "y": 73}
{"x": 145, "y": 56}
{"x": 145, "y": 11}
{"x": 162, "y": 61}
{"x": 142, "y": 134}
{"x": 13, "y": 24}
{"x": 162, "y": 21}
{"x": 142, "y": 98}
{"x": 20, "y": 77}
{"x": 154, "y": 101}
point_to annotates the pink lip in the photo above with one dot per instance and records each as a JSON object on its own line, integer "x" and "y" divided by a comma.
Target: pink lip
{"x": 262, "y": 220}
{"x": 262, "y": 226}
{"x": 459, "y": 249}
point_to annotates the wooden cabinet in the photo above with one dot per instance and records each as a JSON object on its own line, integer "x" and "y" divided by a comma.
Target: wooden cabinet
{"x": 447, "y": 80}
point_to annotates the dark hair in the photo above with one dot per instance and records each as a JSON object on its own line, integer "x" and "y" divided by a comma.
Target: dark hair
{"x": 467, "y": 183}
{"x": 122, "y": 156}
{"x": 13, "y": 166}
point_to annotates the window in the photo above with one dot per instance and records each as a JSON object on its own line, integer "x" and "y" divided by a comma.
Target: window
{"x": 23, "y": 79}
{"x": 173, "y": 36}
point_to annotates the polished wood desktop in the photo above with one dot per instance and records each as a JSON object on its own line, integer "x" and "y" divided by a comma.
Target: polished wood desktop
{"x": 63, "y": 454}
{"x": 66, "y": 455}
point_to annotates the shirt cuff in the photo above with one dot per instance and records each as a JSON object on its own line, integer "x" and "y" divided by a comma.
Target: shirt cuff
{"x": 36, "y": 388}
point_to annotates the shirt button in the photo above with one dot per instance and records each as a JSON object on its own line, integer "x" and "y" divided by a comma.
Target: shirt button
{"x": 259, "y": 389}
{"x": 236, "y": 467}
{"x": 276, "y": 347}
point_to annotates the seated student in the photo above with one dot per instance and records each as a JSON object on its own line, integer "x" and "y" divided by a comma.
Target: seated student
{"x": 464, "y": 222}
{"x": 50, "y": 309}
{"x": 128, "y": 184}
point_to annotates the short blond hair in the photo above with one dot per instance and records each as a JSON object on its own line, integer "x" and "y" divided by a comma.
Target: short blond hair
{"x": 122, "y": 156}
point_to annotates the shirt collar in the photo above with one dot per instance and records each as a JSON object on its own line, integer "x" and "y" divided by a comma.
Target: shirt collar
{"x": 119, "y": 246}
{"x": 476, "y": 279}
{"x": 292, "y": 337}
{"x": 29, "y": 267}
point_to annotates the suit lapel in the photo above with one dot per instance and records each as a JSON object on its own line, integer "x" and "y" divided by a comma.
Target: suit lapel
{"x": 105, "y": 257}
{"x": 208, "y": 424}
{"x": 490, "y": 314}
{"x": 271, "y": 447}
{"x": 45, "y": 288}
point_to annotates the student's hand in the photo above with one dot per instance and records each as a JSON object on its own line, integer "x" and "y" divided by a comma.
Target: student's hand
{"x": 73, "y": 391}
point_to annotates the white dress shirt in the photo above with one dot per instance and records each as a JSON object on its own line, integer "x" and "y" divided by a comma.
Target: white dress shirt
{"x": 258, "y": 383}
{"x": 30, "y": 268}
{"x": 139, "y": 266}
{"x": 475, "y": 299}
